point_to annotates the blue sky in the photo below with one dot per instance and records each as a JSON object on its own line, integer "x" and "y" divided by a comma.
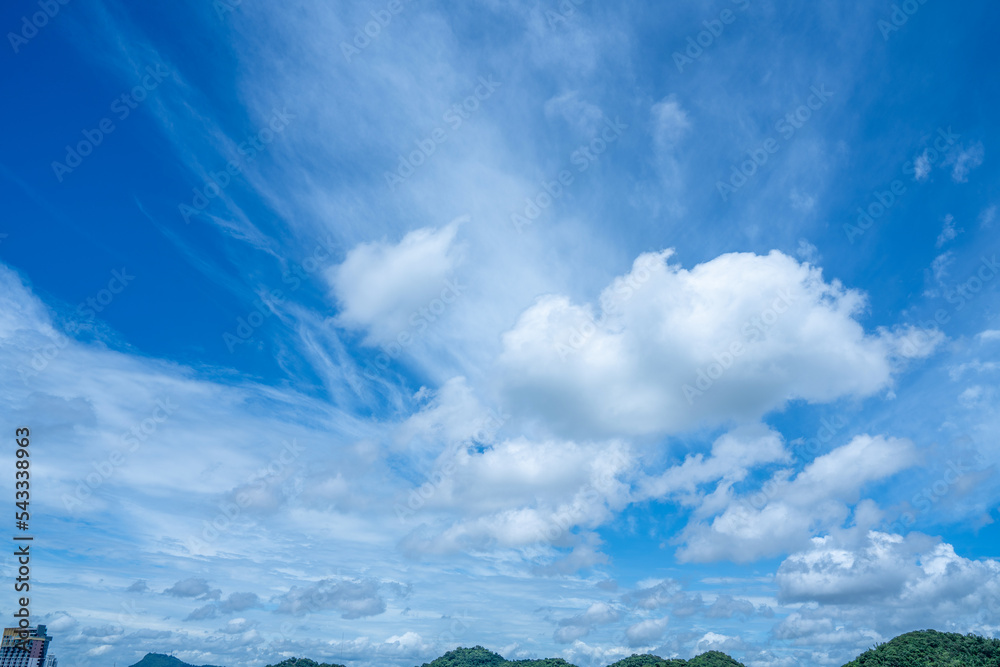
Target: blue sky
{"x": 361, "y": 331}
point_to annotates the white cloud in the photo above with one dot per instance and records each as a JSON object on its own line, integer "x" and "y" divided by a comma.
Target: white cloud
{"x": 948, "y": 231}
{"x": 353, "y": 599}
{"x": 726, "y": 606}
{"x": 964, "y": 160}
{"x": 382, "y": 287}
{"x": 884, "y": 584}
{"x": 646, "y": 632}
{"x": 732, "y": 338}
{"x": 670, "y": 122}
{"x": 594, "y": 655}
{"x": 713, "y": 641}
{"x": 807, "y": 252}
{"x": 976, "y": 396}
{"x": 189, "y": 588}
{"x": 791, "y": 509}
{"x": 578, "y": 113}
{"x": 801, "y": 202}
{"x": 408, "y": 643}
{"x": 669, "y": 125}
{"x": 922, "y": 166}
{"x": 452, "y": 414}
{"x": 573, "y": 628}
{"x": 977, "y": 366}
{"x": 654, "y": 594}
{"x": 237, "y": 626}
{"x": 831, "y": 575}
{"x": 732, "y": 456}
{"x": 940, "y": 265}
{"x": 523, "y": 493}
{"x": 987, "y": 217}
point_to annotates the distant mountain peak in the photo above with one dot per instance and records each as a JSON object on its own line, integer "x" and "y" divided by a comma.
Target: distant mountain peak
{"x": 163, "y": 660}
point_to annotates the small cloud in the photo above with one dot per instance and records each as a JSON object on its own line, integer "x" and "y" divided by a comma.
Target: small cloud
{"x": 976, "y": 396}
{"x": 975, "y": 365}
{"x": 189, "y": 588}
{"x": 922, "y": 167}
{"x": 237, "y": 626}
{"x": 940, "y": 265}
{"x": 807, "y": 252}
{"x": 61, "y": 622}
{"x": 139, "y": 586}
{"x": 239, "y": 602}
{"x": 573, "y": 628}
{"x": 964, "y": 160}
{"x": 670, "y": 122}
{"x": 912, "y": 342}
{"x": 726, "y": 606}
{"x": 948, "y": 232}
{"x": 201, "y": 613}
{"x": 801, "y": 202}
{"x": 989, "y": 336}
{"x": 646, "y": 632}
{"x": 987, "y": 217}
{"x": 380, "y": 286}
{"x": 608, "y": 585}
{"x": 578, "y": 113}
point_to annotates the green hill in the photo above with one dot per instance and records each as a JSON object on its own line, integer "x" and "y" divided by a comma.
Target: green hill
{"x": 161, "y": 660}
{"x": 931, "y": 648}
{"x": 476, "y": 656}
{"x": 923, "y": 648}
{"x": 481, "y": 657}
{"x": 709, "y": 659}
{"x": 303, "y": 662}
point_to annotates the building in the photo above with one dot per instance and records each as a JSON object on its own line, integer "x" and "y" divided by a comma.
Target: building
{"x": 34, "y": 652}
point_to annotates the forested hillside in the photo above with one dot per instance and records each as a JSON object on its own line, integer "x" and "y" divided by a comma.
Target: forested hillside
{"x": 928, "y": 647}
{"x": 923, "y": 648}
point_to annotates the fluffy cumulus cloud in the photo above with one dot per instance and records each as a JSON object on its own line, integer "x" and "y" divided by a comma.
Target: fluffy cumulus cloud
{"x": 726, "y": 606}
{"x": 452, "y": 414}
{"x": 731, "y": 458}
{"x": 646, "y": 632}
{"x": 521, "y": 493}
{"x": 671, "y": 348}
{"x": 573, "y": 628}
{"x": 879, "y": 584}
{"x": 381, "y": 286}
{"x": 916, "y": 572}
{"x": 791, "y": 508}
{"x": 572, "y": 417}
